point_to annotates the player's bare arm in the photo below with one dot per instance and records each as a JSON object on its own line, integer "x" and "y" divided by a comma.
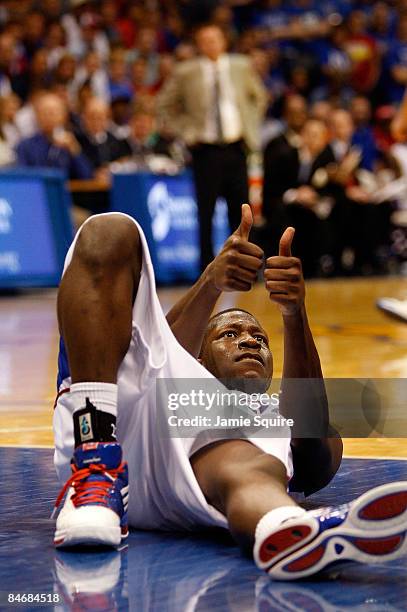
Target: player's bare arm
{"x": 316, "y": 460}
{"x": 235, "y": 268}
{"x": 104, "y": 373}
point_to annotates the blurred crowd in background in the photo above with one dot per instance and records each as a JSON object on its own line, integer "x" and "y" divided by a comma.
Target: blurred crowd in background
{"x": 87, "y": 76}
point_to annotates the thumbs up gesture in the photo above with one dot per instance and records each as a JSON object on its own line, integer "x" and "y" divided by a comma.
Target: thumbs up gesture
{"x": 283, "y": 277}
{"x": 235, "y": 268}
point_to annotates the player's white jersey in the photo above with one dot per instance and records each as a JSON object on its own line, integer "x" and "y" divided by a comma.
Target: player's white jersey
{"x": 164, "y": 493}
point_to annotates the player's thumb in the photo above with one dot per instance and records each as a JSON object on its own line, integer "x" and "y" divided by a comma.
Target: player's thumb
{"x": 246, "y": 222}
{"x": 286, "y": 241}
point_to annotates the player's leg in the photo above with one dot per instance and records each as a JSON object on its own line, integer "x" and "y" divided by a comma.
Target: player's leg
{"x": 95, "y": 315}
{"x": 243, "y": 483}
{"x": 96, "y": 296}
{"x": 249, "y": 488}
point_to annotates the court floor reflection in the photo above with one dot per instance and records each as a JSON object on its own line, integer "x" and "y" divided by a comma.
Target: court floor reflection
{"x": 174, "y": 573}
{"x": 164, "y": 572}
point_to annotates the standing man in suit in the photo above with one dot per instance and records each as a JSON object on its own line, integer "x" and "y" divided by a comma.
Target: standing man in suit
{"x": 215, "y": 102}
{"x": 296, "y": 180}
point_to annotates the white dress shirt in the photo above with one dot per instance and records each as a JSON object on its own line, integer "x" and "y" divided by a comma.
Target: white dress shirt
{"x": 229, "y": 112}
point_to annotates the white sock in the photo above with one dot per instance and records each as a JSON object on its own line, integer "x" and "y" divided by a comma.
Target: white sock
{"x": 102, "y": 395}
{"x": 275, "y": 517}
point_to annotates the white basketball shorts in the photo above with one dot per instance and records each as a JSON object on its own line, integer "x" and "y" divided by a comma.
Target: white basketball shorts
{"x": 163, "y": 492}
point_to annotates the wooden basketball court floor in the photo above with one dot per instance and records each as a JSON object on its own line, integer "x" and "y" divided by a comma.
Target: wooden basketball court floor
{"x": 176, "y": 572}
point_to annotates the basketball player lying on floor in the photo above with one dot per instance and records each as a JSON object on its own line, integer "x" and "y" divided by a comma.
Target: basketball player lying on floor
{"x": 117, "y": 342}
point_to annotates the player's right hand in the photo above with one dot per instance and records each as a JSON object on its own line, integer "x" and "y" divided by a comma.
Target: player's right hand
{"x": 284, "y": 279}
{"x": 235, "y": 268}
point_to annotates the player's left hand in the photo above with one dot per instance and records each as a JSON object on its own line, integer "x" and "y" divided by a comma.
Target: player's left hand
{"x": 236, "y": 267}
{"x": 283, "y": 277}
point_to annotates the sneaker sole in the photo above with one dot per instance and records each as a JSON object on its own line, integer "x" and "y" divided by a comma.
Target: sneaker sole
{"x": 392, "y": 310}
{"x": 373, "y": 532}
{"x": 90, "y": 536}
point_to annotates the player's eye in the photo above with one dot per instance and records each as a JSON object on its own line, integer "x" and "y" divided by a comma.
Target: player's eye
{"x": 229, "y": 333}
{"x": 261, "y": 339}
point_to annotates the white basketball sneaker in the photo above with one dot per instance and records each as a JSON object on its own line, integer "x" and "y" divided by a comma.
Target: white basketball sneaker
{"x": 95, "y": 508}
{"x": 371, "y": 529}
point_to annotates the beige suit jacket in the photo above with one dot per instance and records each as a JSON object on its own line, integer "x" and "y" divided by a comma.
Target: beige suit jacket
{"x": 183, "y": 102}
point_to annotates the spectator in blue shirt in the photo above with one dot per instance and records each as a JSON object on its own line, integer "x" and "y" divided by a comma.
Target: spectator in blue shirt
{"x": 53, "y": 146}
{"x": 397, "y": 63}
{"x": 382, "y": 26}
{"x": 335, "y": 10}
{"x": 305, "y": 9}
{"x": 336, "y": 68}
{"x": 273, "y": 15}
{"x": 119, "y": 82}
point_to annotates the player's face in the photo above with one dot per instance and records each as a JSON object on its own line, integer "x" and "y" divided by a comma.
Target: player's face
{"x": 238, "y": 348}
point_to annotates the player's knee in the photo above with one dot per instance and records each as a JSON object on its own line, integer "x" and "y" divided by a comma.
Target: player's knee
{"x": 233, "y": 477}
{"x": 108, "y": 240}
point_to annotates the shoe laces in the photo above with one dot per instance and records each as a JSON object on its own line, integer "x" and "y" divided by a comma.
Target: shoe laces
{"x": 93, "y": 492}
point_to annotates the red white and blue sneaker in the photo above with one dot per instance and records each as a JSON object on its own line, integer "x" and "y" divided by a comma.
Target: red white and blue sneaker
{"x": 371, "y": 529}
{"x": 95, "y": 508}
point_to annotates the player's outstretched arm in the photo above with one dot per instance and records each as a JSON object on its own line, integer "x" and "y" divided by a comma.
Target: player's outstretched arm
{"x": 235, "y": 268}
{"x": 316, "y": 460}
